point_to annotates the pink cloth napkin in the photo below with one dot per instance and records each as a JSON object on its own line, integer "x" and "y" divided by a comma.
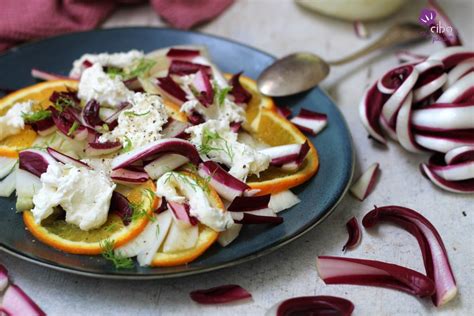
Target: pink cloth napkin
{"x": 23, "y": 20}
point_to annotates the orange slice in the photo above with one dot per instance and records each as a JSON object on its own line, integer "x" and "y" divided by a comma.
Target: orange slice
{"x": 39, "y": 93}
{"x": 69, "y": 238}
{"x": 275, "y": 130}
{"x": 206, "y": 238}
{"x": 257, "y": 102}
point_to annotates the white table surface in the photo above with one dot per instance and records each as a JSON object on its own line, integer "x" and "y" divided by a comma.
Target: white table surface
{"x": 281, "y": 27}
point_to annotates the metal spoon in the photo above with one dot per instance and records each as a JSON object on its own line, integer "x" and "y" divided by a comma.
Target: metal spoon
{"x": 299, "y": 72}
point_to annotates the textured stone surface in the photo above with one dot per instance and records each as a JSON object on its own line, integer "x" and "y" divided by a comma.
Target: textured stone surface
{"x": 280, "y": 27}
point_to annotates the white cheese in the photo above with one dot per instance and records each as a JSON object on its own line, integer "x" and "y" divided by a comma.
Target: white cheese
{"x": 12, "y": 122}
{"x": 142, "y": 123}
{"x": 180, "y": 188}
{"x": 96, "y": 84}
{"x": 217, "y": 142}
{"x": 84, "y": 195}
{"x": 100, "y": 164}
{"x": 228, "y": 110}
{"x": 120, "y": 60}
{"x": 216, "y": 74}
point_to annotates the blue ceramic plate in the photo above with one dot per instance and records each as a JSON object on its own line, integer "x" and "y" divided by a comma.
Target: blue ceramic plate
{"x": 319, "y": 196}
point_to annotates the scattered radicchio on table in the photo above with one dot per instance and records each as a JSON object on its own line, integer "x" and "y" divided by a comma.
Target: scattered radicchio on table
{"x": 427, "y": 105}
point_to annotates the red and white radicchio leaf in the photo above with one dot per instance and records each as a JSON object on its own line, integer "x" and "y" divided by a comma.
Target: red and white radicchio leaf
{"x": 220, "y": 294}
{"x": 444, "y": 117}
{"x": 403, "y": 126}
{"x": 17, "y": 302}
{"x": 310, "y": 122}
{"x": 339, "y": 270}
{"x": 240, "y": 94}
{"x": 3, "y": 278}
{"x": 162, "y": 146}
{"x": 370, "y": 109}
{"x": 203, "y": 86}
{"x": 126, "y": 176}
{"x": 435, "y": 256}
{"x": 90, "y": 115}
{"x": 459, "y": 71}
{"x": 44, "y": 75}
{"x": 171, "y": 90}
{"x": 98, "y": 149}
{"x": 452, "y": 172}
{"x": 312, "y": 305}
{"x": 354, "y": 234}
{"x": 182, "y": 68}
{"x": 431, "y": 78}
{"x": 405, "y": 56}
{"x": 463, "y": 186}
{"x": 180, "y": 212}
{"x": 253, "y": 210}
{"x": 284, "y": 111}
{"x": 182, "y": 54}
{"x": 249, "y": 203}
{"x": 459, "y": 154}
{"x": 163, "y": 164}
{"x": 226, "y": 185}
{"x": 366, "y": 183}
{"x": 287, "y": 154}
{"x": 175, "y": 129}
{"x": 460, "y": 91}
{"x": 360, "y": 30}
{"x": 445, "y": 141}
{"x": 35, "y": 161}
{"x": 58, "y": 156}
{"x": 120, "y": 206}
{"x": 397, "y": 82}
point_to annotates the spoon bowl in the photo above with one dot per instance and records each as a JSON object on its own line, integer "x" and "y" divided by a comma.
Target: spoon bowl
{"x": 299, "y": 72}
{"x": 292, "y": 74}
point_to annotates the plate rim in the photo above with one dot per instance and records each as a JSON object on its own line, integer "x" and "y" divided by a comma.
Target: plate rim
{"x": 264, "y": 252}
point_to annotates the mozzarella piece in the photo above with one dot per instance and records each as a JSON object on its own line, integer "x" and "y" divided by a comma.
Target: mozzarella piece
{"x": 84, "y": 194}
{"x": 240, "y": 158}
{"x": 180, "y": 188}
{"x": 119, "y": 60}
{"x": 12, "y": 122}
{"x": 95, "y": 84}
{"x": 141, "y": 124}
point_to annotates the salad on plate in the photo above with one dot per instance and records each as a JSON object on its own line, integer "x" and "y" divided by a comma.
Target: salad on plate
{"x": 150, "y": 156}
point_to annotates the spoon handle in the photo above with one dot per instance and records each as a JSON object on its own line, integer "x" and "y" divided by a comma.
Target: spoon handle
{"x": 398, "y": 34}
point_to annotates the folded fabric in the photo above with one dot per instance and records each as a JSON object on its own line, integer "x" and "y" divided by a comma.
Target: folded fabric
{"x": 23, "y": 20}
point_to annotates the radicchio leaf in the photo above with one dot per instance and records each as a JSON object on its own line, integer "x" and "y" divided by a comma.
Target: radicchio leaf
{"x": 240, "y": 94}
{"x": 120, "y": 206}
{"x": 435, "y": 256}
{"x": 220, "y": 294}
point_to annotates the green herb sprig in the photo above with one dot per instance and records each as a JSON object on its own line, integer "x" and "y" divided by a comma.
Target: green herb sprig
{"x": 200, "y": 183}
{"x": 35, "y": 116}
{"x": 73, "y": 128}
{"x": 220, "y": 94}
{"x": 141, "y": 209}
{"x": 131, "y": 113}
{"x": 141, "y": 68}
{"x": 208, "y": 144}
{"x": 128, "y": 145}
{"x": 120, "y": 262}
